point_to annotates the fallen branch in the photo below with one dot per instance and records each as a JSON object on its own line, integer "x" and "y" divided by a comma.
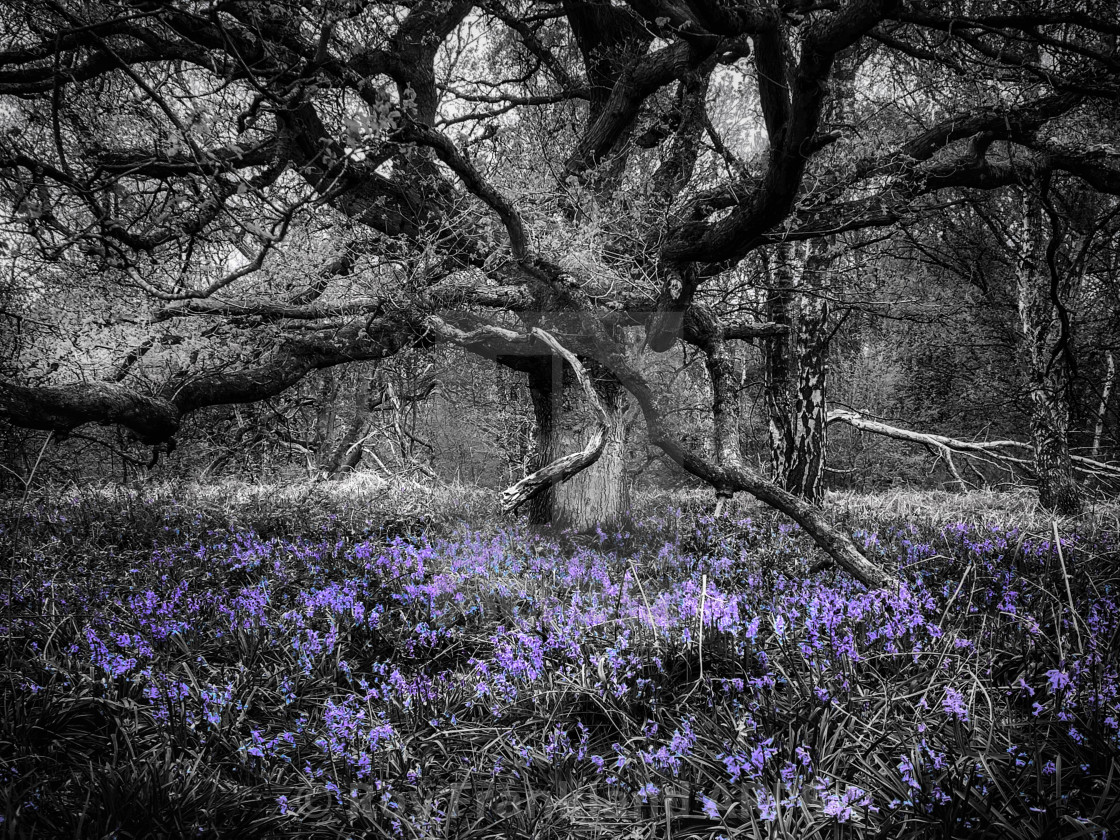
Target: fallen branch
{"x": 733, "y": 475}
{"x": 997, "y": 452}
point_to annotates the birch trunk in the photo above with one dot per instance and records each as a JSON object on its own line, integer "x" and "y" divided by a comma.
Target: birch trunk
{"x": 1044, "y": 368}
{"x": 1102, "y": 409}
{"x": 796, "y": 366}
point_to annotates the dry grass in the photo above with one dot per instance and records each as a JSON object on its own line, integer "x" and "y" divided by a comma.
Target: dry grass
{"x": 356, "y": 502}
{"x": 364, "y": 499}
{"x": 979, "y": 507}
{"x": 919, "y": 507}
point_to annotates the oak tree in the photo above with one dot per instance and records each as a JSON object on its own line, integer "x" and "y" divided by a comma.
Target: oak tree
{"x": 289, "y": 186}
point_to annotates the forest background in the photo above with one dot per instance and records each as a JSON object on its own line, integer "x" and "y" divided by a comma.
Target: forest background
{"x": 565, "y": 249}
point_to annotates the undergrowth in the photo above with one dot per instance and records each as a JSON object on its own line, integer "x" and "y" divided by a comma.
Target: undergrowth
{"x": 392, "y": 661}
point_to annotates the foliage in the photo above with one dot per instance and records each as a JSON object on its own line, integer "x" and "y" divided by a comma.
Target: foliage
{"x": 202, "y": 661}
{"x": 204, "y": 207}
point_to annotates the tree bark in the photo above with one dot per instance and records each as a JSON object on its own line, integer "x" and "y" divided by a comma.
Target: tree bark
{"x": 62, "y": 408}
{"x": 1057, "y": 489}
{"x": 796, "y": 366}
{"x": 155, "y": 418}
{"x": 1043, "y": 335}
{"x": 1102, "y": 409}
{"x": 342, "y": 453}
{"x": 598, "y": 494}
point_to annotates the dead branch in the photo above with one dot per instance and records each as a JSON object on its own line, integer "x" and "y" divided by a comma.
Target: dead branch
{"x": 1002, "y": 453}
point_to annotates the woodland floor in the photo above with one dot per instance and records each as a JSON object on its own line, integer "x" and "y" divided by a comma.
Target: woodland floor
{"x": 363, "y": 659}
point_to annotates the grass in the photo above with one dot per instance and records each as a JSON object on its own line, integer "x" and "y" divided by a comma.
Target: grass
{"x": 371, "y": 660}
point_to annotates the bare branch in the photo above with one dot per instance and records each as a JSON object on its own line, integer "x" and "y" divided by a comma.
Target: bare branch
{"x": 997, "y": 452}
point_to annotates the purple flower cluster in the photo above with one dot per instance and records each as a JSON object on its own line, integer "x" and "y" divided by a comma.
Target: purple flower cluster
{"x": 357, "y": 667}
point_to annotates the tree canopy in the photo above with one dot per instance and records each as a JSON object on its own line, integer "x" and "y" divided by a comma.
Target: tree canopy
{"x": 207, "y": 201}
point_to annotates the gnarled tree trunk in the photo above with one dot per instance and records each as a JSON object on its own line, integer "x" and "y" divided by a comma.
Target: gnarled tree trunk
{"x": 341, "y": 452}
{"x": 598, "y": 494}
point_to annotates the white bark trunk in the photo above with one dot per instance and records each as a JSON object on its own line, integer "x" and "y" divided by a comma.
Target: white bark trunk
{"x": 1102, "y": 410}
